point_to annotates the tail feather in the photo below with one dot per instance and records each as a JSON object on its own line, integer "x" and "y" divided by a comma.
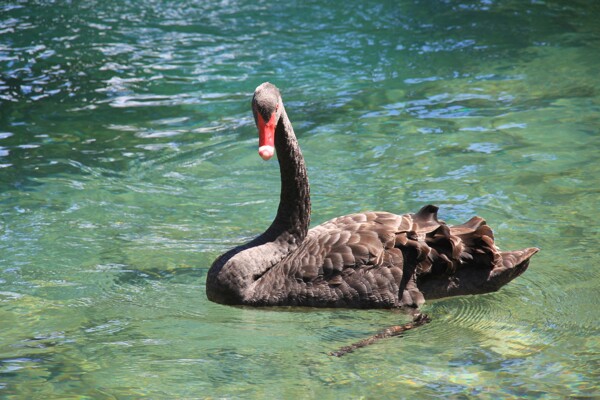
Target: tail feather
{"x": 460, "y": 259}
{"x": 426, "y": 219}
{"x": 518, "y": 261}
{"x": 468, "y": 227}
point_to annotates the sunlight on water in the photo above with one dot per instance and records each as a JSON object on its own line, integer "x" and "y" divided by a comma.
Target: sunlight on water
{"x": 128, "y": 163}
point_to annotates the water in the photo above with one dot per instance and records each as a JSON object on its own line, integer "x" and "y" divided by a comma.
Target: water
{"x": 128, "y": 163}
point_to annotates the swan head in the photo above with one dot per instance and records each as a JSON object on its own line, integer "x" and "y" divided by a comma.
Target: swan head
{"x": 266, "y": 107}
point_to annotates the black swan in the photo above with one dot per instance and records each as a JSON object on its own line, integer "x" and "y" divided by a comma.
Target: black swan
{"x": 365, "y": 260}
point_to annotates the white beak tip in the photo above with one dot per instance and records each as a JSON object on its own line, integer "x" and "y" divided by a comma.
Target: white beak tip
{"x": 266, "y": 152}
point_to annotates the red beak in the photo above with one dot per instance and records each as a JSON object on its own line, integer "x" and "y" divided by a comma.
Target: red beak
{"x": 266, "y": 137}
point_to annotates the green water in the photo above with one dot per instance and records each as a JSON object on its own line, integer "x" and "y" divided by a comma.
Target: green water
{"x": 128, "y": 162}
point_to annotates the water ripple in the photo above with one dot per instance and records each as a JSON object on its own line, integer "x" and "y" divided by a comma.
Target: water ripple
{"x": 128, "y": 163}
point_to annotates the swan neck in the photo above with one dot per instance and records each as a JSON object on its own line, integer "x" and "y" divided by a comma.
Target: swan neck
{"x": 232, "y": 276}
{"x": 293, "y": 214}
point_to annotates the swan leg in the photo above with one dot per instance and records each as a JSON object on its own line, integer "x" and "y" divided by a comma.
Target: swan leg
{"x": 396, "y": 330}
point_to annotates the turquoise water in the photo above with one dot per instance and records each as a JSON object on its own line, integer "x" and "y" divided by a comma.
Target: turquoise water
{"x": 128, "y": 162}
